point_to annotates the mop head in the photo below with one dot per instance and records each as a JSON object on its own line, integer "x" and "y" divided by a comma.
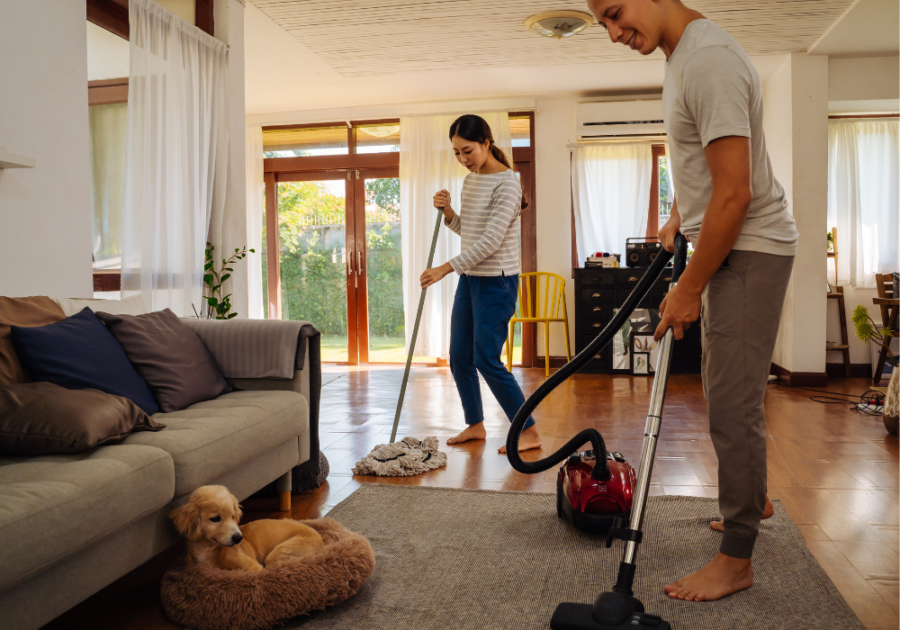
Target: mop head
{"x": 409, "y": 456}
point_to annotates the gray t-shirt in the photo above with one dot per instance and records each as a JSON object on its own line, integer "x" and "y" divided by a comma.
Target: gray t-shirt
{"x": 711, "y": 90}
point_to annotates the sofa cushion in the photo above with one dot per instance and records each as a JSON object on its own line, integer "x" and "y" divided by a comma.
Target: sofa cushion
{"x": 210, "y": 438}
{"x": 46, "y": 419}
{"x": 134, "y": 305}
{"x": 56, "y": 505}
{"x": 170, "y": 356}
{"x": 80, "y": 353}
{"x": 29, "y": 311}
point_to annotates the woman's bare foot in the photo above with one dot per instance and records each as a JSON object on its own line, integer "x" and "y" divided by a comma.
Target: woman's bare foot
{"x": 723, "y": 576}
{"x": 472, "y": 432}
{"x": 527, "y": 441}
{"x": 768, "y": 511}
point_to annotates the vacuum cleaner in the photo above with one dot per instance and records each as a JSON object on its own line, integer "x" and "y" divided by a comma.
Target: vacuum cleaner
{"x": 598, "y": 490}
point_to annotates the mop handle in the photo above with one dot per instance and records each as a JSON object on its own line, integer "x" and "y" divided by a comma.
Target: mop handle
{"x": 415, "y": 335}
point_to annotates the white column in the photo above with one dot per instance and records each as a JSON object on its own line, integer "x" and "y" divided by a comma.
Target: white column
{"x": 796, "y": 126}
{"x": 229, "y": 28}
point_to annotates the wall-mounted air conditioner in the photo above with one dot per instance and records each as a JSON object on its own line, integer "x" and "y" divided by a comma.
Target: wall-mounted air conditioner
{"x": 608, "y": 119}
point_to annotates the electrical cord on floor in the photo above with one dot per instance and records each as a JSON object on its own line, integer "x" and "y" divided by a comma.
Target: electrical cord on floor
{"x": 871, "y": 403}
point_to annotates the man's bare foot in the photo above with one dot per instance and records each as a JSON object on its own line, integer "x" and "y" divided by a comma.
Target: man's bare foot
{"x": 723, "y": 576}
{"x": 472, "y": 432}
{"x": 768, "y": 511}
{"x": 527, "y": 441}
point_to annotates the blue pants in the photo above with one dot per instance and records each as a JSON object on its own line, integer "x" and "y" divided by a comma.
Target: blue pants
{"x": 478, "y": 329}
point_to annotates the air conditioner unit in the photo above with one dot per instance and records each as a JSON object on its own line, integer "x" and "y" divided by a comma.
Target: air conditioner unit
{"x": 609, "y": 119}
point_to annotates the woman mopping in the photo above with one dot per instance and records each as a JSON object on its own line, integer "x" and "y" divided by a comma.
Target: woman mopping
{"x": 488, "y": 222}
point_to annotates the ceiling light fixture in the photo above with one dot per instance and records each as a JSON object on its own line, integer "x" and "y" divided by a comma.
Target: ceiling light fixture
{"x": 559, "y": 24}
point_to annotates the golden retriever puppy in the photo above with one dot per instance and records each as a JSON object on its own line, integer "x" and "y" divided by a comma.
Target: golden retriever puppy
{"x": 209, "y": 520}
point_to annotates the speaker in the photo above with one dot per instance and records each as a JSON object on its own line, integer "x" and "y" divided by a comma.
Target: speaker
{"x": 641, "y": 251}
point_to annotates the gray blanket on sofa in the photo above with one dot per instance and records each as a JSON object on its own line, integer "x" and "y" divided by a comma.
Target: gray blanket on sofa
{"x": 255, "y": 348}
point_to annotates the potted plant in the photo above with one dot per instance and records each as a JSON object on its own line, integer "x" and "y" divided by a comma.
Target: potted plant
{"x": 866, "y": 331}
{"x": 217, "y": 305}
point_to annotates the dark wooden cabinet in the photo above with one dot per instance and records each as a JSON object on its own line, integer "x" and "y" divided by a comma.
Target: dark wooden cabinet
{"x": 599, "y": 293}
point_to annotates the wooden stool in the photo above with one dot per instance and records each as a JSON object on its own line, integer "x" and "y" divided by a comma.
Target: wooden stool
{"x": 844, "y": 346}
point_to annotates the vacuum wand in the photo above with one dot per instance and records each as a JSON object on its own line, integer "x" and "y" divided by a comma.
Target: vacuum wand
{"x": 415, "y": 335}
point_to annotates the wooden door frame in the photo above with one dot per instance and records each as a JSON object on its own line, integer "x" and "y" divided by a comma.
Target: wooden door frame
{"x": 659, "y": 150}
{"x": 362, "y": 292}
{"x": 524, "y": 162}
{"x": 273, "y": 264}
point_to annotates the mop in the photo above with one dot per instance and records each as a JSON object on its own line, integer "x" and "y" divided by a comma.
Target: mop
{"x": 410, "y": 456}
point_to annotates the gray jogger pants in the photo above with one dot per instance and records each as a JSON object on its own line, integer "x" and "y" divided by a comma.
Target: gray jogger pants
{"x": 741, "y": 313}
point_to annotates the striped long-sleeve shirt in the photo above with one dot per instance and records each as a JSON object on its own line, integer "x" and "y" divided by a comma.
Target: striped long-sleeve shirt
{"x": 488, "y": 222}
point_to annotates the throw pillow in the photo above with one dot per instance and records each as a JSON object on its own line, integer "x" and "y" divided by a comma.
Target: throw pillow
{"x": 28, "y": 311}
{"x": 80, "y": 353}
{"x": 170, "y": 356}
{"x": 46, "y": 419}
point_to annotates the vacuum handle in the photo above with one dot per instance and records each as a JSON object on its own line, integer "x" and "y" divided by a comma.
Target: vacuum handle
{"x": 681, "y": 248}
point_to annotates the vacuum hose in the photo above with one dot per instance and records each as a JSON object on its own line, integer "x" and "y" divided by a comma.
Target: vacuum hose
{"x": 601, "y": 468}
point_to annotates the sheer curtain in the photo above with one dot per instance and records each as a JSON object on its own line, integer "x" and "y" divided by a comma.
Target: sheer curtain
{"x": 427, "y": 165}
{"x": 863, "y": 199}
{"x": 255, "y": 216}
{"x": 611, "y": 193}
{"x": 108, "y": 124}
{"x": 176, "y": 156}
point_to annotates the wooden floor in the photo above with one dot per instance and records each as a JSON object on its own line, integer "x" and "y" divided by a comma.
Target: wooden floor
{"x": 835, "y": 471}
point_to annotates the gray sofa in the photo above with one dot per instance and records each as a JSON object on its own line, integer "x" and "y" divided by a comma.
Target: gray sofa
{"x": 72, "y": 524}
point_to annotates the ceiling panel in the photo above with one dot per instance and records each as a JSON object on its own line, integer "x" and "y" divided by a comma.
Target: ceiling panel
{"x": 360, "y": 39}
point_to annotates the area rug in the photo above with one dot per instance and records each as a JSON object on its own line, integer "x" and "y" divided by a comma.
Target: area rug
{"x": 486, "y": 560}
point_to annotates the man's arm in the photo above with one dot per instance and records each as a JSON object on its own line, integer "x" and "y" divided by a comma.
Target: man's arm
{"x": 728, "y": 159}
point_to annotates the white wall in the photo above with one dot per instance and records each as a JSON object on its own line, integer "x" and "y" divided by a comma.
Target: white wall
{"x": 45, "y": 213}
{"x": 864, "y": 79}
{"x": 555, "y": 126}
{"x": 796, "y": 126}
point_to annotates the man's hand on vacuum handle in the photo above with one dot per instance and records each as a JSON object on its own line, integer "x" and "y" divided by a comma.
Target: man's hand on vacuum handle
{"x": 728, "y": 160}
{"x": 442, "y": 200}
{"x": 670, "y": 229}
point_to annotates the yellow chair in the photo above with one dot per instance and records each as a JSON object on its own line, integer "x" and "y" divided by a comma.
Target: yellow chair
{"x": 549, "y": 300}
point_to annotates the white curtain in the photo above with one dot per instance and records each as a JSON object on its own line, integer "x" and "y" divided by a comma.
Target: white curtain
{"x": 863, "y": 199}
{"x": 427, "y": 165}
{"x": 611, "y": 194}
{"x": 256, "y": 189}
{"x": 176, "y": 157}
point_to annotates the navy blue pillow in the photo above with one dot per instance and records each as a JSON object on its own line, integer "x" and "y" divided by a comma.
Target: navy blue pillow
{"x": 80, "y": 353}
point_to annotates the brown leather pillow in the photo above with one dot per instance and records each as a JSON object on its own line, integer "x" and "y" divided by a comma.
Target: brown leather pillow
{"x": 173, "y": 360}
{"x": 46, "y": 419}
{"x": 29, "y": 311}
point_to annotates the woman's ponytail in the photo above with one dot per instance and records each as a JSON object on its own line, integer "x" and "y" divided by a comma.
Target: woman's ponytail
{"x": 475, "y": 129}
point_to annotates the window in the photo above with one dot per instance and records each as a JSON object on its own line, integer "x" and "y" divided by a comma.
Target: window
{"x": 378, "y": 138}
{"x": 520, "y": 130}
{"x": 107, "y": 147}
{"x": 305, "y": 141}
{"x": 609, "y": 179}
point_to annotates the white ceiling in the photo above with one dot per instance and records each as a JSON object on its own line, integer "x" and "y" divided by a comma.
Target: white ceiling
{"x": 360, "y": 38}
{"x": 869, "y": 27}
{"x": 304, "y": 55}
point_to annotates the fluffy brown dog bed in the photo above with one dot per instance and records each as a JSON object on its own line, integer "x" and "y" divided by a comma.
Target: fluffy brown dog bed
{"x": 208, "y": 598}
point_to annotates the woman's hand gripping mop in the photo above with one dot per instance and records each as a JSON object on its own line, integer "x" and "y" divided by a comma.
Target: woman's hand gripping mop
{"x": 410, "y": 456}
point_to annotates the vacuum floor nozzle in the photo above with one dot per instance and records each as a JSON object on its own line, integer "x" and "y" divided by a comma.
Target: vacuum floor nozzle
{"x": 580, "y": 617}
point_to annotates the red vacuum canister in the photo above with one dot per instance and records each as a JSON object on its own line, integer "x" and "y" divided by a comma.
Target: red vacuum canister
{"x": 592, "y": 505}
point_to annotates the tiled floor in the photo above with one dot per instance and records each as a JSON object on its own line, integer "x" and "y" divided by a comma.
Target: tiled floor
{"x": 835, "y": 471}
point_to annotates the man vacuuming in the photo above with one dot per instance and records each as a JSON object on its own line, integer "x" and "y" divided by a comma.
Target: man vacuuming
{"x": 733, "y": 210}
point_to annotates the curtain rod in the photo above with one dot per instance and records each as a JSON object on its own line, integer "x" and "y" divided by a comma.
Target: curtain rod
{"x": 620, "y": 140}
